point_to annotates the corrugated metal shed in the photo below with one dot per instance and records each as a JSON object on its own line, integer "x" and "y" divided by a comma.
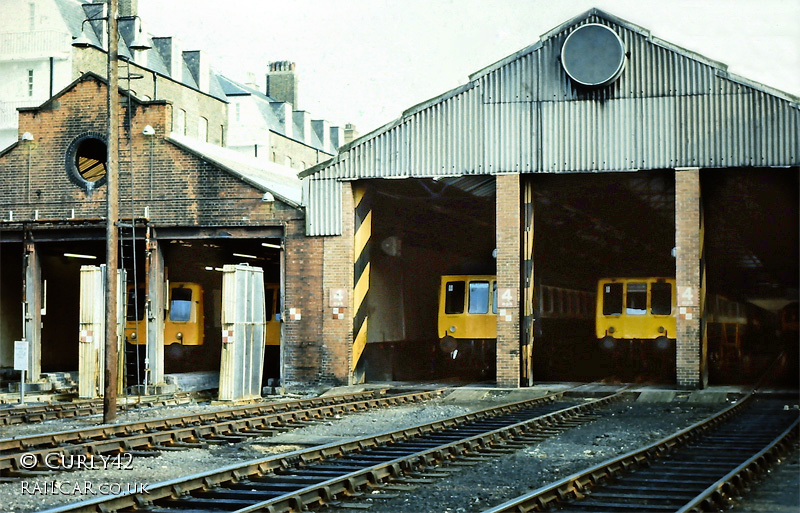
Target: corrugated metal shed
{"x": 670, "y": 108}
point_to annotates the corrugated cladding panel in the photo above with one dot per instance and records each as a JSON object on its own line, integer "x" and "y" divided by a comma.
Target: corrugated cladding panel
{"x": 323, "y": 207}
{"x": 669, "y": 108}
{"x": 652, "y": 69}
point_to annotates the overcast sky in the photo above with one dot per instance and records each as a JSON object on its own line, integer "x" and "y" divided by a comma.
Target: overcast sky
{"x": 365, "y": 61}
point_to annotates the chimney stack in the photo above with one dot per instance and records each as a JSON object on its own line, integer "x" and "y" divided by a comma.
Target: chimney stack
{"x": 128, "y": 7}
{"x": 350, "y": 133}
{"x": 282, "y": 83}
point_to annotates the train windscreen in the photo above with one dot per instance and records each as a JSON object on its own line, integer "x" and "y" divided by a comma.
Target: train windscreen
{"x": 454, "y": 297}
{"x": 180, "y": 305}
{"x": 612, "y": 299}
{"x": 661, "y": 298}
{"x": 636, "y": 303}
{"x": 478, "y": 297}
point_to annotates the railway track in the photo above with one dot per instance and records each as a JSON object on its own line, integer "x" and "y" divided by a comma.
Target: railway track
{"x": 27, "y": 456}
{"x": 701, "y": 468}
{"x": 337, "y": 472}
{"x": 82, "y": 408}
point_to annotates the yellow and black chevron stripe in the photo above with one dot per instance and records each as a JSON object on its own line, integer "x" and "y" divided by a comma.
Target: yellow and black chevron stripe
{"x": 362, "y": 245}
{"x": 529, "y": 297}
{"x": 703, "y": 325}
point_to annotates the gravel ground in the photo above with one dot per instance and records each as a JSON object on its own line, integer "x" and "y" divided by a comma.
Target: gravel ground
{"x": 476, "y": 488}
{"x": 631, "y": 425}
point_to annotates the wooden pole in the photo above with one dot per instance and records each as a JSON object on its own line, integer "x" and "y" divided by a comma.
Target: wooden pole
{"x": 112, "y": 264}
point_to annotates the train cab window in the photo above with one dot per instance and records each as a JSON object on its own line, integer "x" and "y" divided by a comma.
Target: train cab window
{"x": 494, "y": 297}
{"x": 180, "y": 305}
{"x": 612, "y": 299}
{"x": 136, "y": 309}
{"x": 661, "y": 298}
{"x": 454, "y": 297}
{"x": 637, "y": 299}
{"x": 478, "y": 297}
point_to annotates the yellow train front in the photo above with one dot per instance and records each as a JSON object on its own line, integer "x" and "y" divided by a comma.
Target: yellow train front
{"x": 184, "y": 329}
{"x": 635, "y": 324}
{"x": 467, "y": 324}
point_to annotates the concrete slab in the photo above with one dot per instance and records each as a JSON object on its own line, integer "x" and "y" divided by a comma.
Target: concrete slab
{"x": 192, "y": 381}
{"x": 495, "y": 395}
{"x": 656, "y": 396}
{"x": 710, "y": 396}
{"x": 32, "y": 388}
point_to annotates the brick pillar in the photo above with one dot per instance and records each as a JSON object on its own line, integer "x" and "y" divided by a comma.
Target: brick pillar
{"x": 508, "y": 277}
{"x": 337, "y": 273}
{"x": 687, "y": 277}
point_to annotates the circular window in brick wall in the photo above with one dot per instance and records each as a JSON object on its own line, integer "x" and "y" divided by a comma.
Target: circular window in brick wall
{"x": 86, "y": 160}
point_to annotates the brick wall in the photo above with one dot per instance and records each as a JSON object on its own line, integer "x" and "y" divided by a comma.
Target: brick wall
{"x": 338, "y": 273}
{"x": 177, "y": 187}
{"x": 158, "y": 87}
{"x": 303, "y": 348}
{"x": 687, "y": 275}
{"x": 508, "y": 211}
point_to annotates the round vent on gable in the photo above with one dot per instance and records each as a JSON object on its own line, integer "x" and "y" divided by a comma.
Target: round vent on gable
{"x": 593, "y": 55}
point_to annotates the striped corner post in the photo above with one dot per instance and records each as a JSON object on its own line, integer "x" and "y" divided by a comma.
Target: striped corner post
{"x": 363, "y": 197}
{"x": 529, "y": 297}
{"x": 704, "y": 370}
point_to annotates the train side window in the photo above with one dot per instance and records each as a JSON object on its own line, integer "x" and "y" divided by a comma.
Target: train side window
{"x": 180, "y": 305}
{"x": 661, "y": 298}
{"x": 612, "y": 299}
{"x": 494, "y": 297}
{"x": 637, "y": 299}
{"x": 478, "y": 297}
{"x": 454, "y": 297}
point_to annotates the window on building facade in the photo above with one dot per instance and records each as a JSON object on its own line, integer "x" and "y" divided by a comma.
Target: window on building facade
{"x": 32, "y": 16}
{"x": 86, "y": 160}
{"x": 237, "y": 112}
{"x": 222, "y": 135}
{"x": 180, "y": 122}
{"x": 202, "y": 129}
{"x": 287, "y": 161}
{"x": 30, "y": 82}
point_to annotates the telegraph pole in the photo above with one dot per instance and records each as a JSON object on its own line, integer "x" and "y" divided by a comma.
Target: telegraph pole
{"x": 112, "y": 209}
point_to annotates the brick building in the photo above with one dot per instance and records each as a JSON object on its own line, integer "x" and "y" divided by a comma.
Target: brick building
{"x": 37, "y": 59}
{"x": 190, "y": 206}
{"x": 622, "y": 155}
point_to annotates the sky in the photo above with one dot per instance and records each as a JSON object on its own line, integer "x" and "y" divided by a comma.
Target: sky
{"x": 366, "y": 61}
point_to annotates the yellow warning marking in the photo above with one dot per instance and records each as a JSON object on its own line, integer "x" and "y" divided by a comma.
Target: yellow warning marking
{"x": 359, "y": 343}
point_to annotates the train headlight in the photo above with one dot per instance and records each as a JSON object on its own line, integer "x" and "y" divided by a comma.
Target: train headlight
{"x": 611, "y": 329}
{"x": 133, "y": 336}
{"x": 452, "y": 329}
{"x": 661, "y": 329}
{"x": 179, "y": 336}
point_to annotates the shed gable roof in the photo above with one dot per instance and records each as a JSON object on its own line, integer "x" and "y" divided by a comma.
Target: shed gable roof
{"x": 669, "y": 108}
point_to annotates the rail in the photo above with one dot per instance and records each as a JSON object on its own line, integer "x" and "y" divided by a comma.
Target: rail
{"x": 300, "y": 479}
